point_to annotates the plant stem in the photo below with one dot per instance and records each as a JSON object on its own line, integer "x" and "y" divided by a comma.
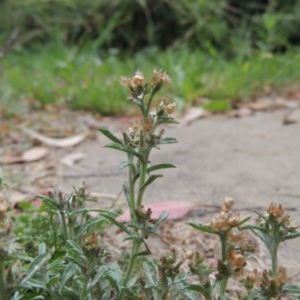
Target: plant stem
{"x": 83, "y": 294}
{"x": 62, "y": 215}
{"x": 131, "y": 175}
{"x": 134, "y": 250}
{"x": 143, "y": 172}
{"x": 223, "y": 285}
{"x": 275, "y": 244}
{"x": 223, "y": 246}
{"x": 274, "y": 259}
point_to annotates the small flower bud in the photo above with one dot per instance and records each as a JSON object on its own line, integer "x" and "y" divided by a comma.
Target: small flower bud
{"x": 138, "y": 80}
{"x": 170, "y": 108}
{"x": 148, "y": 124}
{"x": 159, "y": 76}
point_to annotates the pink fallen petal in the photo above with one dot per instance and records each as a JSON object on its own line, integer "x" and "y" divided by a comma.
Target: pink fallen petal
{"x": 176, "y": 210}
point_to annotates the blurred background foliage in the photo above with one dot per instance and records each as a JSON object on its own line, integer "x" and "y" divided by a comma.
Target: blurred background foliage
{"x": 74, "y": 50}
{"x": 233, "y": 27}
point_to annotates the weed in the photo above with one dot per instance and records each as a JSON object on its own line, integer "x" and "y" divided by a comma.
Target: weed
{"x": 68, "y": 258}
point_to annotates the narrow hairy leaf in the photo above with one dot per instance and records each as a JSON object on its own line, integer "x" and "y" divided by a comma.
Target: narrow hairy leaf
{"x": 36, "y": 265}
{"x": 203, "y": 228}
{"x": 87, "y": 225}
{"x": 114, "y": 221}
{"x": 160, "y": 166}
{"x": 167, "y": 140}
{"x": 70, "y": 271}
{"x": 150, "y": 180}
{"x": 110, "y": 136}
{"x": 74, "y": 246}
{"x": 151, "y": 272}
{"x": 124, "y": 148}
{"x": 291, "y": 290}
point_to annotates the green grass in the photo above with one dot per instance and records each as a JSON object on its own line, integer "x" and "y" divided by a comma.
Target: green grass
{"x": 83, "y": 79}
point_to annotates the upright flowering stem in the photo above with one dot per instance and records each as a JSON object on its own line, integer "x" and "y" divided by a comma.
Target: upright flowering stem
{"x": 142, "y": 138}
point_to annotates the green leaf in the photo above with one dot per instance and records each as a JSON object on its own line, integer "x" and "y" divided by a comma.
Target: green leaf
{"x": 291, "y": 289}
{"x": 162, "y": 217}
{"x": 100, "y": 273}
{"x": 37, "y": 298}
{"x": 291, "y": 236}
{"x": 87, "y": 225}
{"x": 125, "y": 164}
{"x": 160, "y": 166}
{"x": 74, "y": 246}
{"x": 167, "y": 140}
{"x": 204, "y": 228}
{"x": 33, "y": 283}
{"x": 110, "y": 136}
{"x": 196, "y": 288}
{"x": 70, "y": 271}
{"x": 114, "y": 274}
{"x": 151, "y": 272}
{"x": 50, "y": 202}
{"x": 243, "y": 221}
{"x": 260, "y": 214}
{"x": 143, "y": 253}
{"x": 126, "y": 149}
{"x": 35, "y": 266}
{"x": 150, "y": 180}
{"x": 114, "y": 221}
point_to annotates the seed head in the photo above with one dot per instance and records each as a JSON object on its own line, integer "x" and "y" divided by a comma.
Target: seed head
{"x": 148, "y": 124}
{"x": 275, "y": 210}
{"x": 159, "y": 76}
{"x": 170, "y": 108}
{"x": 138, "y": 80}
{"x": 227, "y": 205}
{"x": 126, "y": 82}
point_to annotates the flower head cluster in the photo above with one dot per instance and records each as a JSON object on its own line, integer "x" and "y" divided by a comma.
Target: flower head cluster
{"x": 226, "y": 219}
{"x": 138, "y": 81}
{"x": 275, "y": 210}
{"x": 166, "y": 108}
{"x": 159, "y": 77}
{"x": 271, "y": 286}
{"x": 277, "y": 219}
{"x": 237, "y": 262}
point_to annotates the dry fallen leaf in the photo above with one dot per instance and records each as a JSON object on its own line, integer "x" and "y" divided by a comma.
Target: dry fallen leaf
{"x": 33, "y": 154}
{"x": 192, "y": 114}
{"x": 176, "y": 210}
{"x": 70, "y": 159}
{"x": 241, "y": 112}
{"x": 60, "y": 143}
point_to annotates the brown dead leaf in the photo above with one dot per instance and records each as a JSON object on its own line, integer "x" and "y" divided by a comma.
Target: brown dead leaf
{"x": 259, "y": 105}
{"x": 192, "y": 114}
{"x": 59, "y": 143}
{"x": 241, "y": 112}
